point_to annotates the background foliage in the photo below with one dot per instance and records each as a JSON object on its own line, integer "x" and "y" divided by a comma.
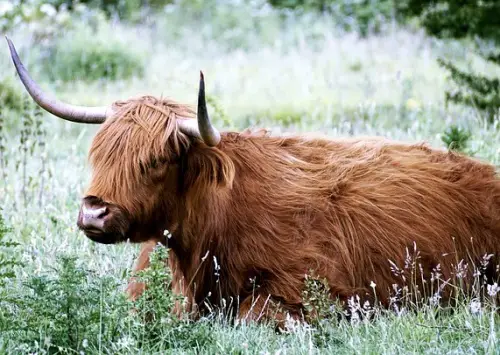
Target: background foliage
{"x": 475, "y": 20}
{"x": 342, "y": 68}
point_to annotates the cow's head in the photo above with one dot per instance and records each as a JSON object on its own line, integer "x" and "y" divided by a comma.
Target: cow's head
{"x": 134, "y": 156}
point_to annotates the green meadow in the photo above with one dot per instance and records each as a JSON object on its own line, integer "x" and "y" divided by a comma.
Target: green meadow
{"x": 290, "y": 72}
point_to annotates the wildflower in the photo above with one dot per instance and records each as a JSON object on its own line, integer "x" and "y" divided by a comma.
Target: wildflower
{"x": 412, "y": 104}
{"x": 396, "y": 270}
{"x": 125, "y": 342}
{"x": 355, "y": 318}
{"x": 353, "y": 303}
{"x": 165, "y": 320}
{"x": 421, "y": 272}
{"x": 493, "y": 289}
{"x": 461, "y": 270}
{"x": 47, "y": 341}
{"x": 485, "y": 262}
{"x": 204, "y": 257}
{"x": 291, "y": 325}
{"x": 434, "y": 300}
{"x": 373, "y": 285}
{"x": 475, "y": 307}
{"x": 216, "y": 268}
{"x": 366, "y": 306}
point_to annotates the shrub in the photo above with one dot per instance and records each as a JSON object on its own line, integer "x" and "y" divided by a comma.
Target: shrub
{"x": 456, "y": 138}
{"x": 10, "y": 96}
{"x": 71, "y": 309}
{"x": 128, "y": 9}
{"x": 16, "y": 11}
{"x": 75, "y": 57}
{"x": 474, "y": 90}
{"x": 465, "y": 19}
{"x": 154, "y": 310}
{"x": 364, "y": 16}
{"x": 43, "y": 19}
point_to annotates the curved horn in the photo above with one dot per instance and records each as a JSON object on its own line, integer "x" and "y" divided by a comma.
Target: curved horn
{"x": 203, "y": 128}
{"x": 209, "y": 133}
{"x": 68, "y": 112}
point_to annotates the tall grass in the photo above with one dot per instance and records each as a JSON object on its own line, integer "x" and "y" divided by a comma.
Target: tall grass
{"x": 290, "y": 74}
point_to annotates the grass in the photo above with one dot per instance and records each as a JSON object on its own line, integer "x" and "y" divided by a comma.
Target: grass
{"x": 299, "y": 75}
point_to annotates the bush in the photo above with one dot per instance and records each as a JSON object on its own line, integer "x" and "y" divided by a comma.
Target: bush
{"x": 16, "y": 11}
{"x": 456, "y": 138}
{"x": 43, "y": 18}
{"x": 10, "y": 96}
{"x": 75, "y": 57}
{"x": 154, "y": 310}
{"x": 364, "y": 16}
{"x": 474, "y": 90}
{"x": 465, "y": 19}
{"x": 127, "y": 9}
{"x": 69, "y": 310}
{"x": 456, "y": 18}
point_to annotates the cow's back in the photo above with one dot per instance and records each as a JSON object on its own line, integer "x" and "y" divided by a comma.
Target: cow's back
{"x": 351, "y": 211}
{"x": 347, "y": 208}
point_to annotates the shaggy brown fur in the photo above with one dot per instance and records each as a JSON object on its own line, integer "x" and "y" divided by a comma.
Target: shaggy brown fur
{"x": 272, "y": 208}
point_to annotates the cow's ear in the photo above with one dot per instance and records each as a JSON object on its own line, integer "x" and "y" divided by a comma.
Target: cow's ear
{"x": 208, "y": 168}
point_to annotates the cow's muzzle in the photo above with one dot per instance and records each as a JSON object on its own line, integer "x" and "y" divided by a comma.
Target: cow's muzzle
{"x": 102, "y": 222}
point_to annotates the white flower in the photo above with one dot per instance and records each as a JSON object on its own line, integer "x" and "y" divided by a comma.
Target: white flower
{"x": 293, "y": 325}
{"x": 125, "y": 342}
{"x": 5, "y": 7}
{"x": 355, "y": 318}
{"x": 461, "y": 270}
{"x": 373, "y": 284}
{"x": 475, "y": 307}
{"x": 47, "y": 341}
{"x": 493, "y": 289}
{"x": 434, "y": 300}
{"x": 48, "y": 10}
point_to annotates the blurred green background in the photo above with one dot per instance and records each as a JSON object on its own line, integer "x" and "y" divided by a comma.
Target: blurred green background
{"x": 407, "y": 70}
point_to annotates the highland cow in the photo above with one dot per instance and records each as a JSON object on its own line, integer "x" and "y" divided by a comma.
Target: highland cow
{"x": 251, "y": 214}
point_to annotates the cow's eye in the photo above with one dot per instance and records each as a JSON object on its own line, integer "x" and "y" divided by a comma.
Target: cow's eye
{"x": 153, "y": 163}
{"x": 143, "y": 168}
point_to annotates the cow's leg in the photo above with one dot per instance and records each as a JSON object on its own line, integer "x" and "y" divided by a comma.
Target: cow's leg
{"x": 134, "y": 288}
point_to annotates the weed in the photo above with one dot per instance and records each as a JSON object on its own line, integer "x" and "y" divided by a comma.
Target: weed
{"x": 456, "y": 138}
{"x": 9, "y": 258}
